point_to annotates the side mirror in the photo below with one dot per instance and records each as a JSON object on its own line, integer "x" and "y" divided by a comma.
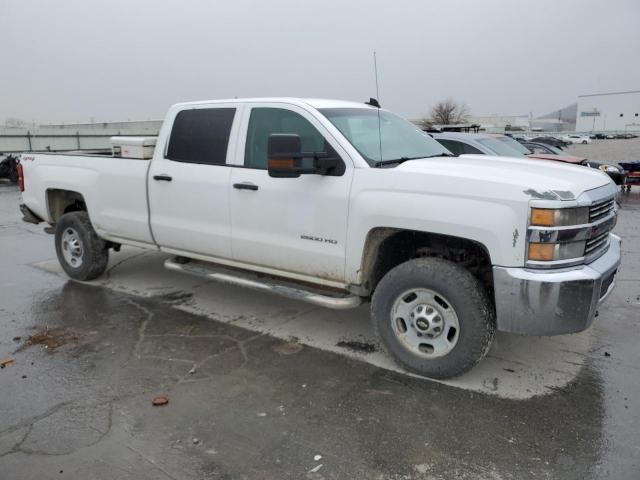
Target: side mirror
{"x": 323, "y": 164}
{"x": 284, "y": 155}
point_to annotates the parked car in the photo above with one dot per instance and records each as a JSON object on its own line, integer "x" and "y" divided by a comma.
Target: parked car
{"x": 9, "y": 167}
{"x": 632, "y": 170}
{"x": 482, "y": 144}
{"x": 551, "y": 141}
{"x": 598, "y": 136}
{"x": 539, "y": 150}
{"x": 583, "y": 139}
{"x": 487, "y": 144}
{"x": 336, "y": 203}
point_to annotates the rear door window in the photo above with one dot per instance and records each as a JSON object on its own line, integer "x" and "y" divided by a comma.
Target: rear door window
{"x": 453, "y": 147}
{"x": 201, "y": 136}
{"x": 468, "y": 149}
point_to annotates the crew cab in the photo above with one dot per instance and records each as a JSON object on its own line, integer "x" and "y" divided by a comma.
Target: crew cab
{"x": 336, "y": 203}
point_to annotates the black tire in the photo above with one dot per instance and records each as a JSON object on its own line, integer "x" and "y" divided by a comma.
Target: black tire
{"x": 93, "y": 251}
{"x": 465, "y": 294}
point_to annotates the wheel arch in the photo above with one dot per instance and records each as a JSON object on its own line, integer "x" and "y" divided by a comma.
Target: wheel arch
{"x": 387, "y": 247}
{"x": 60, "y": 201}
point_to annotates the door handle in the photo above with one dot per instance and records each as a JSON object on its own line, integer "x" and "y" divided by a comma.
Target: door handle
{"x": 245, "y": 186}
{"x": 163, "y": 178}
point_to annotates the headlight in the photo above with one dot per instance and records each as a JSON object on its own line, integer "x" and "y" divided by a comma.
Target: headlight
{"x": 609, "y": 169}
{"x": 550, "y": 234}
{"x": 548, "y": 252}
{"x": 559, "y": 217}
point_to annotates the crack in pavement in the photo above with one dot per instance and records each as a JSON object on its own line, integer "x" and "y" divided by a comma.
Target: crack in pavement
{"x": 142, "y": 336}
{"x": 143, "y": 326}
{"x": 148, "y": 315}
{"x": 29, "y": 423}
{"x": 29, "y": 451}
{"x": 117, "y": 264}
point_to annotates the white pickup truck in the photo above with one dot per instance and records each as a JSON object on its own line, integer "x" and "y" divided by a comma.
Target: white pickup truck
{"x": 336, "y": 203}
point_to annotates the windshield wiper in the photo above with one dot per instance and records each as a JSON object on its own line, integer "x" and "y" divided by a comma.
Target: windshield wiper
{"x": 443, "y": 154}
{"x": 397, "y": 161}
{"x": 393, "y": 161}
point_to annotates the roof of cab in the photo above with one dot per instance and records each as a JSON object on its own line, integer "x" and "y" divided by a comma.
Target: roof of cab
{"x": 313, "y": 102}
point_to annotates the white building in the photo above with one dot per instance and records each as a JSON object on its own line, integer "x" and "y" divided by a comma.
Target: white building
{"x": 605, "y": 112}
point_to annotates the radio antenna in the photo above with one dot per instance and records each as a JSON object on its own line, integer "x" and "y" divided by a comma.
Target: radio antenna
{"x": 375, "y": 72}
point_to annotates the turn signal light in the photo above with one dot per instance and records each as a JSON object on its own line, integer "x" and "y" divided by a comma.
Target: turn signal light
{"x": 559, "y": 217}
{"x": 548, "y": 252}
{"x": 20, "y": 177}
{"x": 542, "y": 217}
{"x": 541, "y": 251}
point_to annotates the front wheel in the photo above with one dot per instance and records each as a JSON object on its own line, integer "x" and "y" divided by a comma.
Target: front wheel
{"x": 81, "y": 252}
{"x": 434, "y": 317}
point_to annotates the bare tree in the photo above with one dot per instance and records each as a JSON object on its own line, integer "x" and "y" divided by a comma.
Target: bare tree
{"x": 15, "y": 122}
{"x": 447, "y": 112}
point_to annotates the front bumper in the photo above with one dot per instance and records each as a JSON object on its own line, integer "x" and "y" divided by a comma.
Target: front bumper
{"x": 553, "y": 302}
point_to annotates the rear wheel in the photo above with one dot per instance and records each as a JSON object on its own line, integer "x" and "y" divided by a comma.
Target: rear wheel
{"x": 434, "y": 317}
{"x": 81, "y": 252}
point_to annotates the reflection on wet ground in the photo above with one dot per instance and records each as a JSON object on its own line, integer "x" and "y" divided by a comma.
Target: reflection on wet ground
{"x": 265, "y": 408}
{"x": 243, "y": 404}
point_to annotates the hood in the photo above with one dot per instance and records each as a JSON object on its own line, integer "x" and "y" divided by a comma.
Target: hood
{"x": 558, "y": 158}
{"x": 542, "y": 180}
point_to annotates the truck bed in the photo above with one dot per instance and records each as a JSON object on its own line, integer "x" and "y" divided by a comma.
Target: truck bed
{"x": 113, "y": 189}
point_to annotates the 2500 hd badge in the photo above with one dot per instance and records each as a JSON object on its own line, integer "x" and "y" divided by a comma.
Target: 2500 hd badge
{"x": 319, "y": 239}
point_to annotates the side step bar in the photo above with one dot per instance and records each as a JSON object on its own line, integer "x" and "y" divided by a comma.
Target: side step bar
{"x": 263, "y": 283}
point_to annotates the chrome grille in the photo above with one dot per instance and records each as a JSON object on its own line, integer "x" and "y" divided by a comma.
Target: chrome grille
{"x": 596, "y": 243}
{"x": 599, "y": 244}
{"x": 601, "y": 210}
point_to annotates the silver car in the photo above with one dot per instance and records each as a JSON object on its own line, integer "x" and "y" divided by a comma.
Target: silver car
{"x": 480, "y": 144}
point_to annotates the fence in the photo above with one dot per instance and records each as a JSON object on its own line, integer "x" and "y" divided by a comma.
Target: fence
{"x": 58, "y": 142}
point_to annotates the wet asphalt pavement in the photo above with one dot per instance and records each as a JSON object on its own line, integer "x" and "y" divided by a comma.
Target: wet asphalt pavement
{"x": 76, "y": 402}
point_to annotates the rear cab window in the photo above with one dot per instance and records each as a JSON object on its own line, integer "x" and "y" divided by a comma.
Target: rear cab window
{"x": 458, "y": 148}
{"x": 201, "y": 135}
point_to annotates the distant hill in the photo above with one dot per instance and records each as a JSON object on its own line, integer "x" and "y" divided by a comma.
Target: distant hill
{"x": 567, "y": 114}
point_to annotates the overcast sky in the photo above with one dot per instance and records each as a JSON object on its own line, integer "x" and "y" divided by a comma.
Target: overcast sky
{"x": 70, "y": 60}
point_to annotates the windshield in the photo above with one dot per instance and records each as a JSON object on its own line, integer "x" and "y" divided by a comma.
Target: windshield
{"x": 516, "y": 145}
{"x": 499, "y": 148}
{"x": 555, "y": 150}
{"x": 391, "y": 138}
